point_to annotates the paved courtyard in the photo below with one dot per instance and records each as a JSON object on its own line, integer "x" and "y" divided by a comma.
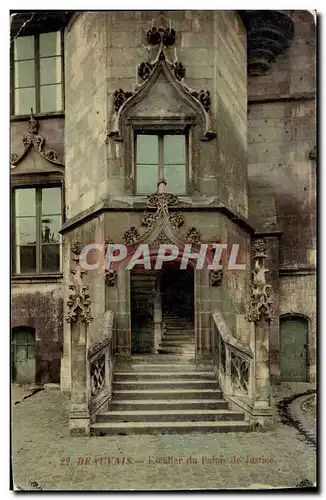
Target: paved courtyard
{"x": 46, "y": 457}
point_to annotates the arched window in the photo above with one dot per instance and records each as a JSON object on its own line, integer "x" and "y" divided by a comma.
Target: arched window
{"x": 23, "y": 354}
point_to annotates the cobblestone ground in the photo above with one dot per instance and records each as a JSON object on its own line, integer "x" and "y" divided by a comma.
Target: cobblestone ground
{"x": 45, "y": 456}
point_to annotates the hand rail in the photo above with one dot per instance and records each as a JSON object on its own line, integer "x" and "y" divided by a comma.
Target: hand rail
{"x": 233, "y": 361}
{"x": 100, "y": 360}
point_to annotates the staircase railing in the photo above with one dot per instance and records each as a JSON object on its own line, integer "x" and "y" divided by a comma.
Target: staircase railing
{"x": 100, "y": 360}
{"x": 233, "y": 361}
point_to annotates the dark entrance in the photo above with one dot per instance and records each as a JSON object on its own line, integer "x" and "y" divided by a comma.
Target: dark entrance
{"x": 171, "y": 291}
{"x": 177, "y": 289}
{"x": 142, "y": 292}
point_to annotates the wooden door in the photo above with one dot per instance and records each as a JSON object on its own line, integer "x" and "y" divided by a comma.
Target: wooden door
{"x": 293, "y": 349}
{"x": 23, "y": 355}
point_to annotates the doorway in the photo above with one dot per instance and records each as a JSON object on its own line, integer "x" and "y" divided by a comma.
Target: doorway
{"x": 23, "y": 364}
{"x": 177, "y": 289}
{"x": 170, "y": 292}
{"x": 294, "y": 349}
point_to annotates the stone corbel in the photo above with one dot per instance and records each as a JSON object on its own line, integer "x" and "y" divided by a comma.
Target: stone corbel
{"x": 269, "y": 33}
{"x": 216, "y": 277}
{"x": 111, "y": 277}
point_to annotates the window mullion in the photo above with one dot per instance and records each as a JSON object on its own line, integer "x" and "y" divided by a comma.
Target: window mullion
{"x": 37, "y": 74}
{"x": 160, "y": 158}
{"x": 38, "y": 230}
{"x": 62, "y": 72}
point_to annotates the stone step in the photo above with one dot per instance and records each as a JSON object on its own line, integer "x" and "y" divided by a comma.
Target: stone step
{"x": 163, "y": 368}
{"x": 179, "y": 338}
{"x": 176, "y": 393}
{"x": 157, "y": 359}
{"x": 185, "y": 376}
{"x": 163, "y": 384}
{"x": 111, "y": 428}
{"x": 177, "y": 343}
{"x": 170, "y": 404}
{"x": 165, "y": 415}
{"x": 178, "y": 324}
{"x": 179, "y": 329}
{"x": 176, "y": 350}
{"x": 183, "y": 331}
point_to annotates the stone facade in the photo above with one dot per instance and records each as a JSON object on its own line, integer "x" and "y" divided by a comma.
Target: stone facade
{"x": 282, "y": 175}
{"x": 240, "y": 190}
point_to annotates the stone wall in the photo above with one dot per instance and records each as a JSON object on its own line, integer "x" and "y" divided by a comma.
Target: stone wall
{"x": 212, "y": 47}
{"x": 86, "y": 111}
{"x": 282, "y": 177}
{"x": 40, "y": 306}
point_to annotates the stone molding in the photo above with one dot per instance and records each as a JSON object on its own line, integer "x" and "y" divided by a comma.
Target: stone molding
{"x": 34, "y": 139}
{"x": 269, "y": 33}
{"x": 173, "y": 73}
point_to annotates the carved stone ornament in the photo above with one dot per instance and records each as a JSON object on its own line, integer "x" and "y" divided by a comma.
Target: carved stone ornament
{"x": 193, "y": 235}
{"x": 260, "y": 305}
{"x": 131, "y": 236}
{"x": 161, "y": 202}
{"x": 79, "y": 300}
{"x": 34, "y": 139}
{"x": 110, "y": 277}
{"x": 119, "y": 97}
{"x": 155, "y": 75}
{"x": 179, "y": 70}
{"x": 216, "y": 277}
{"x": 144, "y": 70}
{"x": 162, "y": 225}
{"x": 162, "y": 35}
{"x": 204, "y": 97}
{"x": 76, "y": 248}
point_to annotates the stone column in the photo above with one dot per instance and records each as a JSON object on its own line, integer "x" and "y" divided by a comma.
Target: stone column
{"x": 262, "y": 376}
{"x": 79, "y": 316}
{"x": 260, "y": 313}
{"x": 124, "y": 315}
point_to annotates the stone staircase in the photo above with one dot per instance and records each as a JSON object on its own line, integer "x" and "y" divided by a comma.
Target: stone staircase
{"x": 165, "y": 394}
{"x": 179, "y": 336}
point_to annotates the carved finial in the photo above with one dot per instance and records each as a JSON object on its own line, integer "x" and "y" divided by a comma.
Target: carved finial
{"x": 164, "y": 36}
{"x": 259, "y": 248}
{"x": 79, "y": 303}
{"x": 260, "y": 305}
{"x": 161, "y": 185}
{"x": 32, "y": 126}
{"x": 161, "y": 56}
